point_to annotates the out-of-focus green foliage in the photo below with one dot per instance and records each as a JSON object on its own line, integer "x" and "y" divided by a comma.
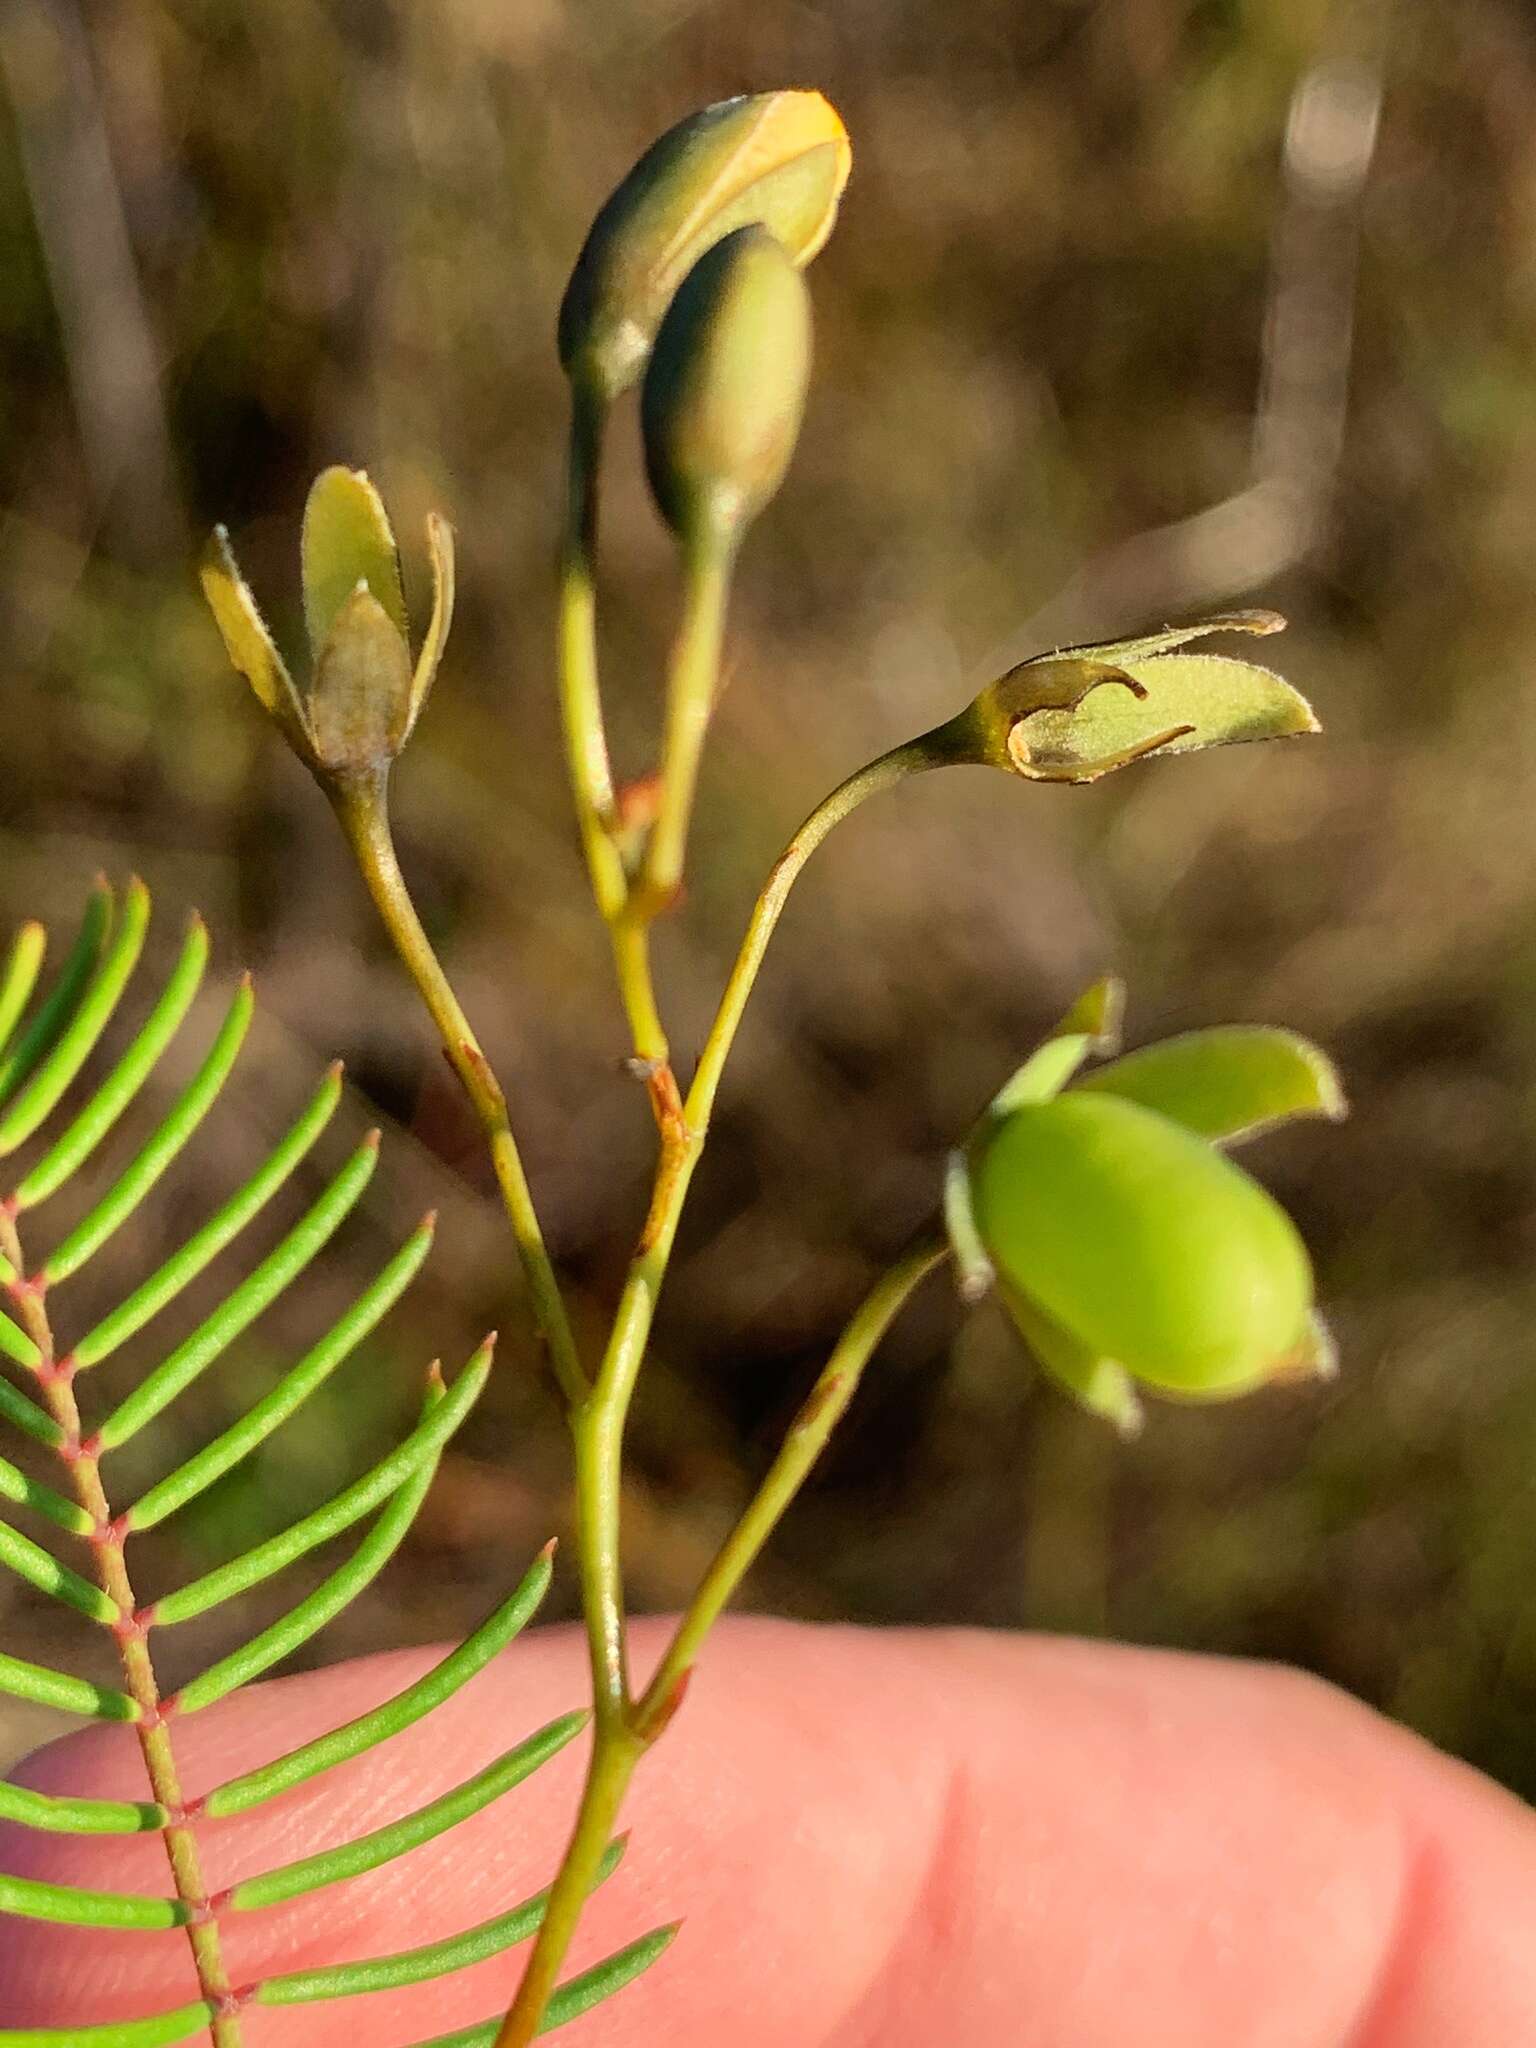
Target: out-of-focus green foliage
{"x": 1041, "y": 336}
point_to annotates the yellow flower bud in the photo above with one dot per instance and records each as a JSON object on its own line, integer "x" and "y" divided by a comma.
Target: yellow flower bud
{"x": 776, "y": 158}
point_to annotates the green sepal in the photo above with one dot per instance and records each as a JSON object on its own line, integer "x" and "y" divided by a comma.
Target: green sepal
{"x": 440, "y": 552}
{"x": 1227, "y": 1083}
{"x": 974, "y": 1270}
{"x": 347, "y": 540}
{"x": 577, "y": 1994}
{"x": 1185, "y": 702}
{"x": 1138, "y": 646}
{"x": 250, "y": 647}
{"x": 1101, "y": 1385}
{"x": 778, "y": 158}
{"x": 421, "y": 1965}
{"x": 159, "y": 2030}
{"x": 360, "y": 701}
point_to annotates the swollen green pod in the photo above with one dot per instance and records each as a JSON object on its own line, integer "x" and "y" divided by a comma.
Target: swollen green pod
{"x": 725, "y": 390}
{"x": 1142, "y": 1245}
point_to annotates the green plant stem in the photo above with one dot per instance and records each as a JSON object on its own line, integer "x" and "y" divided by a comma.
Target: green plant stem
{"x": 693, "y": 684}
{"x": 586, "y": 748}
{"x": 621, "y": 1730}
{"x": 107, "y": 1540}
{"x": 365, "y": 820}
{"x": 819, "y": 1415}
{"x": 581, "y": 711}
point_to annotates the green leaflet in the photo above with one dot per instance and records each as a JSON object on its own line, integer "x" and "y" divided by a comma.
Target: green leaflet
{"x": 351, "y": 1859}
{"x": 57, "y": 1816}
{"x": 217, "y": 1332}
{"x": 127, "y": 1077}
{"x": 160, "y": 2031}
{"x": 44, "y": 1049}
{"x": 48, "y": 1688}
{"x": 69, "y": 1905}
{"x": 161, "y": 1149}
{"x": 22, "y": 967}
{"x": 420, "y": 1965}
{"x": 274, "y": 1409}
{"x": 320, "y": 1607}
{"x": 407, "y": 1707}
{"x": 226, "y": 1223}
{"x": 52, "y": 1014}
{"x": 577, "y": 1994}
{"x": 68, "y": 1053}
{"x": 29, "y": 1561}
{"x": 391, "y": 1472}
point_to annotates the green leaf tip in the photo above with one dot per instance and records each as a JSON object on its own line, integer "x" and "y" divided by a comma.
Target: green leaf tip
{"x": 364, "y": 695}
{"x": 1077, "y": 714}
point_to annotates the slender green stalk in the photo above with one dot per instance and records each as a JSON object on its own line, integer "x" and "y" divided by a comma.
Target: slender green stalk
{"x": 692, "y": 687}
{"x": 581, "y": 710}
{"x": 365, "y": 821}
{"x": 819, "y": 1415}
{"x": 621, "y": 1731}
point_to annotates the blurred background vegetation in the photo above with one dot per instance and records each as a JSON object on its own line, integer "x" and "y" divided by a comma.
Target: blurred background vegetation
{"x": 1134, "y": 308}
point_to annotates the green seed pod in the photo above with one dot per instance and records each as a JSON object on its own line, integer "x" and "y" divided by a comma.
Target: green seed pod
{"x": 363, "y": 697}
{"x": 778, "y": 158}
{"x": 725, "y": 390}
{"x": 1140, "y": 1246}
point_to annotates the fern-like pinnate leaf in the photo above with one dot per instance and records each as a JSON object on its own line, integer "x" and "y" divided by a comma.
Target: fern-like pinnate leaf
{"x": 61, "y": 1099}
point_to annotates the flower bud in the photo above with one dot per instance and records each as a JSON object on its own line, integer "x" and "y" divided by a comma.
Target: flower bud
{"x": 776, "y": 158}
{"x": 364, "y": 696}
{"x": 725, "y": 390}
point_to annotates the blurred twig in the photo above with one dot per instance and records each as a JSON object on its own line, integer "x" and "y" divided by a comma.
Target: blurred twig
{"x": 110, "y": 351}
{"x": 1281, "y": 513}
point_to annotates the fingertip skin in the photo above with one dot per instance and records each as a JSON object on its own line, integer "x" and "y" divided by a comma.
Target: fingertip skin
{"x": 876, "y": 1840}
